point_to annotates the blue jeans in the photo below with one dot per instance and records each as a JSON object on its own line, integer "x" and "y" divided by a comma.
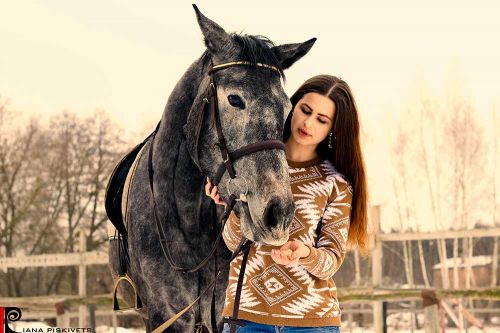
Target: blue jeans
{"x": 251, "y": 327}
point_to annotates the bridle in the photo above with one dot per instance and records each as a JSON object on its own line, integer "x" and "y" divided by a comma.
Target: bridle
{"x": 210, "y": 103}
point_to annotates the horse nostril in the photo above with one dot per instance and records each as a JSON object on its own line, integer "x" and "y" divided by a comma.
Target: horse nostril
{"x": 271, "y": 214}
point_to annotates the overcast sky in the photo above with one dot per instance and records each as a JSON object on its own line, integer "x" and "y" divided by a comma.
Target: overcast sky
{"x": 125, "y": 57}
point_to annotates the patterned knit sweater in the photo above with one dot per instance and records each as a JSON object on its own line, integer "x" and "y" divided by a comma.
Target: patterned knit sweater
{"x": 305, "y": 294}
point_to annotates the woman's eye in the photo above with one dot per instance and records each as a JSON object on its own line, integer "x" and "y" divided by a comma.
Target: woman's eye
{"x": 306, "y": 112}
{"x": 236, "y": 101}
{"x": 322, "y": 121}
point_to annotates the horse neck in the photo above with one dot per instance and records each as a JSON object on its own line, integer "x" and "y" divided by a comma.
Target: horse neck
{"x": 181, "y": 99}
{"x": 172, "y": 163}
{"x": 171, "y": 134}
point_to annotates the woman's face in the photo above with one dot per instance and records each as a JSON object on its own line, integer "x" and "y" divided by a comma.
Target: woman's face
{"x": 312, "y": 119}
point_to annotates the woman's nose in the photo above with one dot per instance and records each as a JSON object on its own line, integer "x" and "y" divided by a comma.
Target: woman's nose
{"x": 306, "y": 123}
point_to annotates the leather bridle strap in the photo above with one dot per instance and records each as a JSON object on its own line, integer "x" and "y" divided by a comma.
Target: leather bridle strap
{"x": 247, "y": 150}
{"x": 222, "y": 142}
{"x": 232, "y": 321}
{"x": 216, "y": 68}
{"x": 244, "y": 245}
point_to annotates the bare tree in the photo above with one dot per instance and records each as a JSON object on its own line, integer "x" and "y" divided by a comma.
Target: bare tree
{"x": 494, "y": 268}
{"x": 429, "y": 147}
{"x": 52, "y": 183}
{"x": 20, "y": 188}
{"x": 87, "y": 149}
{"x": 107, "y": 148}
{"x": 400, "y": 185}
{"x": 465, "y": 138}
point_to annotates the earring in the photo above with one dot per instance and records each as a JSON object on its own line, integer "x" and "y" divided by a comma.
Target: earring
{"x": 330, "y": 140}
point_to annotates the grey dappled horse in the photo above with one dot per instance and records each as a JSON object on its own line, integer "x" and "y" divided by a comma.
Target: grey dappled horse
{"x": 253, "y": 107}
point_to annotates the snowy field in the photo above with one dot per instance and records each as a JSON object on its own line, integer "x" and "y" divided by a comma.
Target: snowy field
{"x": 34, "y": 326}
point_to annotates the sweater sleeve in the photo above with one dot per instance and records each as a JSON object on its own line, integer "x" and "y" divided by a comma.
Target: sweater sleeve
{"x": 232, "y": 233}
{"x": 325, "y": 259}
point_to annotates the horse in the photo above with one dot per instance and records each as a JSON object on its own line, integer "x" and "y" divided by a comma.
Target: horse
{"x": 164, "y": 177}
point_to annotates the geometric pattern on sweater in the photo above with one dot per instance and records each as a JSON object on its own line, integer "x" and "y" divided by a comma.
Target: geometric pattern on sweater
{"x": 338, "y": 232}
{"x": 295, "y": 226}
{"x": 303, "y": 174}
{"x": 274, "y": 285}
{"x": 305, "y": 294}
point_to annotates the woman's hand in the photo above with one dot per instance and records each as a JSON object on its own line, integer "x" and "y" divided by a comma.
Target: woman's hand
{"x": 214, "y": 194}
{"x": 290, "y": 253}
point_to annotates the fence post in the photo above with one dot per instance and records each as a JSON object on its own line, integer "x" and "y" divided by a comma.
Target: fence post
{"x": 431, "y": 311}
{"x": 62, "y": 319}
{"x": 92, "y": 317}
{"x": 114, "y": 321}
{"x": 376, "y": 267}
{"x": 384, "y": 317}
{"x": 82, "y": 280}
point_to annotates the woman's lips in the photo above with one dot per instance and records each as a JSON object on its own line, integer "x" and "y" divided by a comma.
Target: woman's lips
{"x": 303, "y": 133}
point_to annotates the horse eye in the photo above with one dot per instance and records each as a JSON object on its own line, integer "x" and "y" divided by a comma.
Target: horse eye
{"x": 236, "y": 101}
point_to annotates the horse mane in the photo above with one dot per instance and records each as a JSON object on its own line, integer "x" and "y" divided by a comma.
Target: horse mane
{"x": 254, "y": 49}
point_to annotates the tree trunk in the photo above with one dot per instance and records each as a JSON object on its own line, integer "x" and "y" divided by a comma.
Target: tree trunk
{"x": 357, "y": 268}
{"x": 434, "y": 199}
{"x": 456, "y": 281}
{"x": 494, "y": 263}
{"x": 422, "y": 263}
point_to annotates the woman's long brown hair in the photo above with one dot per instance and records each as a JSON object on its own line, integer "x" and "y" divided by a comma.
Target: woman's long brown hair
{"x": 346, "y": 155}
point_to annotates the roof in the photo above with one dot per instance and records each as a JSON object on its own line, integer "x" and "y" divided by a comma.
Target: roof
{"x": 460, "y": 263}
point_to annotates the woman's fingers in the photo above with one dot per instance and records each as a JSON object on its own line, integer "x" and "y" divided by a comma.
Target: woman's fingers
{"x": 275, "y": 256}
{"x": 218, "y": 198}
{"x": 286, "y": 246}
{"x": 221, "y": 202}
{"x": 281, "y": 258}
{"x": 214, "y": 192}
{"x": 278, "y": 256}
{"x": 207, "y": 187}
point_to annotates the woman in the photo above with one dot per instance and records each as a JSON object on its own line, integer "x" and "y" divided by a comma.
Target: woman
{"x": 290, "y": 289}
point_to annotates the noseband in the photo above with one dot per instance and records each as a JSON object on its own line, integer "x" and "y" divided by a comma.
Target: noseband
{"x": 211, "y": 102}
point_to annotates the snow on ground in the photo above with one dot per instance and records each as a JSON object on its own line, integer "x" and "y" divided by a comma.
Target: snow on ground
{"x": 461, "y": 263}
{"x": 23, "y": 326}
{"x": 488, "y": 329}
{"x": 106, "y": 329}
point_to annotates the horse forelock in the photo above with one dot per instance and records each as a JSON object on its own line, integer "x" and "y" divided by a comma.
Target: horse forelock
{"x": 258, "y": 49}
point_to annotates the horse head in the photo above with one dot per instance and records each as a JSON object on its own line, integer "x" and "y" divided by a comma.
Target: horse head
{"x": 252, "y": 107}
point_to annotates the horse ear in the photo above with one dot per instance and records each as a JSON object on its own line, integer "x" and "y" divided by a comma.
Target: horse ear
{"x": 216, "y": 38}
{"x": 288, "y": 54}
